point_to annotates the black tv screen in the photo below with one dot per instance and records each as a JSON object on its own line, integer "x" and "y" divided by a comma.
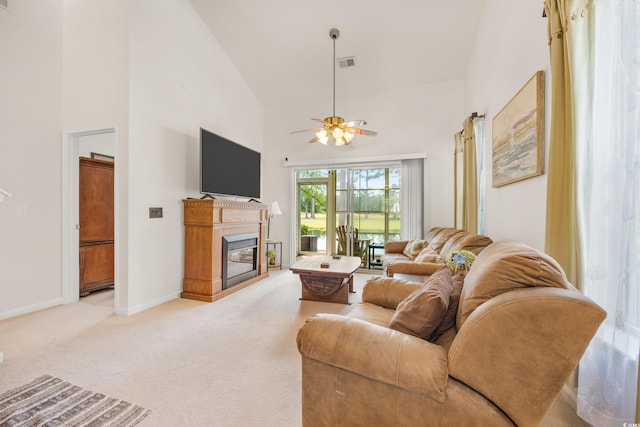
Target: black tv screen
{"x": 228, "y": 168}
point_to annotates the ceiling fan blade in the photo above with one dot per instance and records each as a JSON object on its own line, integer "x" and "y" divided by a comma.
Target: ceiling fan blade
{"x": 362, "y": 131}
{"x": 304, "y": 130}
{"x": 314, "y": 139}
{"x": 319, "y": 121}
{"x": 352, "y": 123}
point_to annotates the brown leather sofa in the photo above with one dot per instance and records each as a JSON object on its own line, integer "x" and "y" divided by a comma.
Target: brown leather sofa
{"x": 439, "y": 240}
{"x": 520, "y": 329}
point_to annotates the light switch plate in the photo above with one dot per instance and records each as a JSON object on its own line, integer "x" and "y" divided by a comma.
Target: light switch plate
{"x": 155, "y": 212}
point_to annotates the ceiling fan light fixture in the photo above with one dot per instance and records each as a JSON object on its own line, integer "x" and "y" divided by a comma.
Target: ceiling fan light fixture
{"x": 335, "y": 129}
{"x": 348, "y": 136}
{"x": 323, "y": 137}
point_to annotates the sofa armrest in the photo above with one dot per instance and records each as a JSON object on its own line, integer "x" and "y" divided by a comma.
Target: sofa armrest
{"x": 534, "y": 338}
{"x": 388, "y": 292}
{"x": 395, "y": 247}
{"x": 375, "y": 352}
{"x": 421, "y": 268}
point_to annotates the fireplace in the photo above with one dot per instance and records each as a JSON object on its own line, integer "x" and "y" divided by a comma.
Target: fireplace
{"x": 239, "y": 258}
{"x": 206, "y": 222}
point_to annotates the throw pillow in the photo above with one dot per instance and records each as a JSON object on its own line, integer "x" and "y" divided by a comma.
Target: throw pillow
{"x": 429, "y": 255}
{"x": 422, "y": 311}
{"x": 414, "y": 247}
{"x": 449, "y": 318}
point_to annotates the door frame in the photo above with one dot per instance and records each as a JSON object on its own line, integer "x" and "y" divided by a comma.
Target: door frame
{"x": 71, "y": 207}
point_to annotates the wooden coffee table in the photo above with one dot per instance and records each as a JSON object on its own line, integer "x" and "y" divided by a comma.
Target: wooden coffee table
{"x": 330, "y": 284}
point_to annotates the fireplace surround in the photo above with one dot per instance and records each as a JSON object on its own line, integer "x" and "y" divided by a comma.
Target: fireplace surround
{"x": 208, "y": 224}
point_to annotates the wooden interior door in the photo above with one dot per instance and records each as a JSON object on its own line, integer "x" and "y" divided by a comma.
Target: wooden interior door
{"x": 96, "y": 182}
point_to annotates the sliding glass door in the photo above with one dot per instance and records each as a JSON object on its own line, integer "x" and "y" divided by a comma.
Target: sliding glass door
{"x": 348, "y": 209}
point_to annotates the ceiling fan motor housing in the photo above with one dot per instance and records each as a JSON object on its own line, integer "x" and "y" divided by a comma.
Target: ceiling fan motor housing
{"x": 334, "y": 121}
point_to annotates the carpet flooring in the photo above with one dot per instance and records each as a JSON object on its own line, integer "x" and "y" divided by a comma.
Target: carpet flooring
{"x": 233, "y": 362}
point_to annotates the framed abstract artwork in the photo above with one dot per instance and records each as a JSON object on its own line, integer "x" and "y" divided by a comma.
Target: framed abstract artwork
{"x": 518, "y": 135}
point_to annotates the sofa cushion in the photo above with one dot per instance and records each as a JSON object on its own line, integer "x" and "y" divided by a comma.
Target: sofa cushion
{"x": 372, "y": 313}
{"x": 395, "y": 247}
{"x": 389, "y": 258}
{"x": 474, "y": 243}
{"x": 503, "y": 267}
{"x": 414, "y": 247}
{"x": 428, "y": 255}
{"x": 439, "y": 240}
{"x": 388, "y": 292}
{"x": 433, "y": 232}
{"x": 449, "y": 318}
{"x": 422, "y": 311}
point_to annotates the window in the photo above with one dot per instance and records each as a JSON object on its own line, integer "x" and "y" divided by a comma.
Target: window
{"x": 367, "y": 199}
{"x": 376, "y": 202}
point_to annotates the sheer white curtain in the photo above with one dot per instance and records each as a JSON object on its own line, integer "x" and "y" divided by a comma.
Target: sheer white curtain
{"x": 412, "y": 209}
{"x": 478, "y": 126}
{"x": 608, "y": 165}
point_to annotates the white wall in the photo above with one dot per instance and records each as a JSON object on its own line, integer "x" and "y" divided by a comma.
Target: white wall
{"x": 96, "y": 93}
{"x": 180, "y": 80}
{"x": 408, "y": 120}
{"x": 30, "y": 168}
{"x": 511, "y": 46}
{"x": 152, "y": 64}
{"x": 101, "y": 143}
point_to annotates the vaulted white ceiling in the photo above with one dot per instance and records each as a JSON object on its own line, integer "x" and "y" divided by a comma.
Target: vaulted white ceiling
{"x": 283, "y": 48}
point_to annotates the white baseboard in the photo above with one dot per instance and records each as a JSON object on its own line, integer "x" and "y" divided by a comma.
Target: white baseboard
{"x": 30, "y": 308}
{"x": 147, "y": 305}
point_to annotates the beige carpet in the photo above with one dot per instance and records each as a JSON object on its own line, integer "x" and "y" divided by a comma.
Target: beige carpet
{"x": 233, "y": 362}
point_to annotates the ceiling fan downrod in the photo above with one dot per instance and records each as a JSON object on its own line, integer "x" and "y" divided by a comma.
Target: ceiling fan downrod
{"x": 334, "y": 33}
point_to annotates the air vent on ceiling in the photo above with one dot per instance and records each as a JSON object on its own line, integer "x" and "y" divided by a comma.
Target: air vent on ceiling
{"x": 346, "y": 62}
{"x": 4, "y": 3}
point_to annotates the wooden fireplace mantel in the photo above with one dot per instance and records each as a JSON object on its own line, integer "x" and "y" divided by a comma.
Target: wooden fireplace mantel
{"x": 206, "y": 221}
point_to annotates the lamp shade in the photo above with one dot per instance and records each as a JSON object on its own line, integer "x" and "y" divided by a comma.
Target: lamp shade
{"x": 274, "y": 209}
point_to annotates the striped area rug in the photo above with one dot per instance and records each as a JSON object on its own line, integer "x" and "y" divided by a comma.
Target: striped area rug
{"x": 50, "y": 401}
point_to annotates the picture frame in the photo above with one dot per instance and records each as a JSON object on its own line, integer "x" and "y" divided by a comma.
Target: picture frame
{"x": 518, "y": 135}
{"x": 104, "y": 157}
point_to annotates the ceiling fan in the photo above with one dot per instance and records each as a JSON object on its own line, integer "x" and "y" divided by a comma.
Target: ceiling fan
{"x": 336, "y": 129}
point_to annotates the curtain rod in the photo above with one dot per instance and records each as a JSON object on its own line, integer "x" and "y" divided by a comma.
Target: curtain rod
{"x": 473, "y": 115}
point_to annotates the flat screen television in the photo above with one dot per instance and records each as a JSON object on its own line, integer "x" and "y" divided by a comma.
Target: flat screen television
{"x": 228, "y": 168}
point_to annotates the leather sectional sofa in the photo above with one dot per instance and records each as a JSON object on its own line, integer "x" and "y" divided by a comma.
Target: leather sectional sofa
{"x": 516, "y": 332}
{"x": 407, "y": 257}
